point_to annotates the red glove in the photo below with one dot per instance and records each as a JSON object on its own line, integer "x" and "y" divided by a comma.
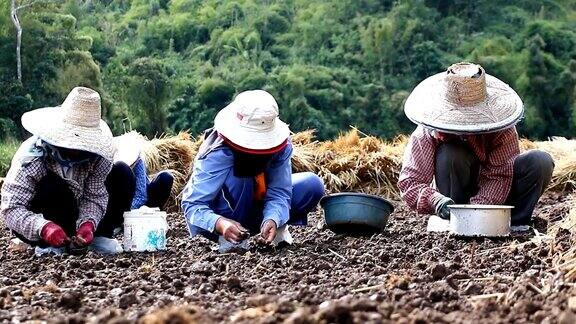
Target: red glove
{"x": 85, "y": 234}
{"x": 54, "y": 235}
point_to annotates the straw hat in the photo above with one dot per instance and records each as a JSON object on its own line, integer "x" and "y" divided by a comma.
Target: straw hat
{"x": 464, "y": 100}
{"x": 76, "y": 124}
{"x": 251, "y": 121}
{"x": 128, "y": 147}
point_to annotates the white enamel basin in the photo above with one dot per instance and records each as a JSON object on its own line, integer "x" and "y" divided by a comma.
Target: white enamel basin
{"x": 480, "y": 220}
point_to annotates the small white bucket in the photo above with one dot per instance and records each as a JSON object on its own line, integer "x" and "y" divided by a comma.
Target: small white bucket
{"x": 145, "y": 230}
{"x": 480, "y": 220}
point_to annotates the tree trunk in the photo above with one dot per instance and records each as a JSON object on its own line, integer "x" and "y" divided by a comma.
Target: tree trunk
{"x": 16, "y": 21}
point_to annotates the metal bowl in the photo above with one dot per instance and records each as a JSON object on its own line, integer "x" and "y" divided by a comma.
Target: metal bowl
{"x": 480, "y": 220}
{"x": 349, "y": 212}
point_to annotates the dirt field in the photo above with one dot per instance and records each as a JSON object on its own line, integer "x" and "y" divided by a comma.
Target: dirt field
{"x": 401, "y": 275}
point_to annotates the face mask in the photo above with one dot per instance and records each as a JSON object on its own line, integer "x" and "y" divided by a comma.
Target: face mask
{"x": 250, "y": 165}
{"x": 67, "y": 157}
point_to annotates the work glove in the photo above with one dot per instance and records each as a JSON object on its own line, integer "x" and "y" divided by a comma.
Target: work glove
{"x": 85, "y": 234}
{"x": 441, "y": 207}
{"x": 231, "y": 230}
{"x": 54, "y": 235}
{"x": 268, "y": 231}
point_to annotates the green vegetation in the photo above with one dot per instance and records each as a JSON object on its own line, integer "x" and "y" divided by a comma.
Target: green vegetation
{"x": 169, "y": 65}
{"x": 7, "y": 150}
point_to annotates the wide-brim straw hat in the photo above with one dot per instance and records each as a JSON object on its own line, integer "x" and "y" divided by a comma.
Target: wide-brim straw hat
{"x": 76, "y": 124}
{"x": 128, "y": 147}
{"x": 252, "y": 121}
{"x": 464, "y": 100}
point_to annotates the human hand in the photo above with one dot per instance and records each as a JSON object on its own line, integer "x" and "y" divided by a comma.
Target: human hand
{"x": 231, "y": 230}
{"x": 84, "y": 234}
{"x": 268, "y": 231}
{"x": 54, "y": 235}
{"x": 441, "y": 207}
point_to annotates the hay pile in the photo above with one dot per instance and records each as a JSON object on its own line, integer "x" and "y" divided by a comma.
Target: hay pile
{"x": 351, "y": 162}
{"x": 174, "y": 153}
{"x": 564, "y": 153}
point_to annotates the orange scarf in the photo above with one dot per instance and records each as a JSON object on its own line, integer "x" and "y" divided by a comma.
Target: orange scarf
{"x": 260, "y": 187}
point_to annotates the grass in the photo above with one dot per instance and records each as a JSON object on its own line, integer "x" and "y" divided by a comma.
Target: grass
{"x": 7, "y": 150}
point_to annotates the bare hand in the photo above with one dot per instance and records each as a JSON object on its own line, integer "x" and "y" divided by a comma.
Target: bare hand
{"x": 231, "y": 230}
{"x": 268, "y": 231}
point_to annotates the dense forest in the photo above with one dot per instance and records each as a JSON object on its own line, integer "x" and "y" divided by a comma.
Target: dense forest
{"x": 163, "y": 66}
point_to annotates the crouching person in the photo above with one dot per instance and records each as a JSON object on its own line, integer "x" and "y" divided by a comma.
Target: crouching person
{"x": 128, "y": 184}
{"x": 467, "y": 145}
{"x": 242, "y": 182}
{"x": 54, "y": 192}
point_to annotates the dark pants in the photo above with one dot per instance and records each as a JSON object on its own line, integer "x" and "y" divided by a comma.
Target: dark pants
{"x": 121, "y": 186}
{"x": 159, "y": 190}
{"x": 457, "y": 170}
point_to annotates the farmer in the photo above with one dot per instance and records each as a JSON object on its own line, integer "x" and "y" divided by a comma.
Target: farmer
{"x": 242, "y": 181}
{"x": 132, "y": 189}
{"x": 54, "y": 192}
{"x": 467, "y": 145}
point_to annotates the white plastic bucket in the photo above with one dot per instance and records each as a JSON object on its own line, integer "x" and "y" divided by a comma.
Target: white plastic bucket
{"x": 145, "y": 230}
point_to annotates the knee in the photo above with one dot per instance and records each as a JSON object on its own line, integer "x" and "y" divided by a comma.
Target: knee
{"x": 453, "y": 155}
{"x": 311, "y": 184}
{"x": 121, "y": 173}
{"x": 166, "y": 178}
{"x": 121, "y": 169}
{"x": 538, "y": 162}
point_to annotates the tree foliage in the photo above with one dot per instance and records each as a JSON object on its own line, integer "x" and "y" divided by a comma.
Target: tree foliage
{"x": 170, "y": 65}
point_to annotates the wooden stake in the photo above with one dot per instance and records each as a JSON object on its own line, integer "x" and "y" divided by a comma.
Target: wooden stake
{"x": 487, "y": 296}
{"x": 336, "y": 254}
{"x": 367, "y": 288}
{"x": 536, "y": 289}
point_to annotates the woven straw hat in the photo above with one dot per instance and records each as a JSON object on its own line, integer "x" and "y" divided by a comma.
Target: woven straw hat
{"x": 464, "y": 100}
{"x": 128, "y": 147}
{"x": 251, "y": 121}
{"x": 76, "y": 124}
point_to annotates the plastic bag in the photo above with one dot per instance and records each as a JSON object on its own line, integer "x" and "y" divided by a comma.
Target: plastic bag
{"x": 106, "y": 245}
{"x": 38, "y": 251}
{"x": 225, "y": 246}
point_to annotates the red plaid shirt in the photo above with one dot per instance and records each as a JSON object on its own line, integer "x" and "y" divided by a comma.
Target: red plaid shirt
{"x": 495, "y": 151}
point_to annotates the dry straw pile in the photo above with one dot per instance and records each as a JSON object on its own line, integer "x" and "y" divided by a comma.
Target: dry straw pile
{"x": 564, "y": 153}
{"x": 174, "y": 153}
{"x": 351, "y": 162}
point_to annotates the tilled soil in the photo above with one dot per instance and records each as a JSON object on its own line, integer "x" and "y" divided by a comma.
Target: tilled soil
{"x": 401, "y": 275}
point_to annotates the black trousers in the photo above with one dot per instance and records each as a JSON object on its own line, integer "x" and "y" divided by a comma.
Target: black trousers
{"x": 457, "y": 169}
{"x": 121, "y": 186}
{"x": 159, "y": 190}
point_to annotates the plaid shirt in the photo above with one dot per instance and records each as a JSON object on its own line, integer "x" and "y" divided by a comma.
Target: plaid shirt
{"x": 495, "y": 151}
{"x": 29, "y": 166}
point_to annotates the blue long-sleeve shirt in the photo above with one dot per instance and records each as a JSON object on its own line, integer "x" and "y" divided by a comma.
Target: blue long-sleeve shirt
{"x": 213, "y": 185}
